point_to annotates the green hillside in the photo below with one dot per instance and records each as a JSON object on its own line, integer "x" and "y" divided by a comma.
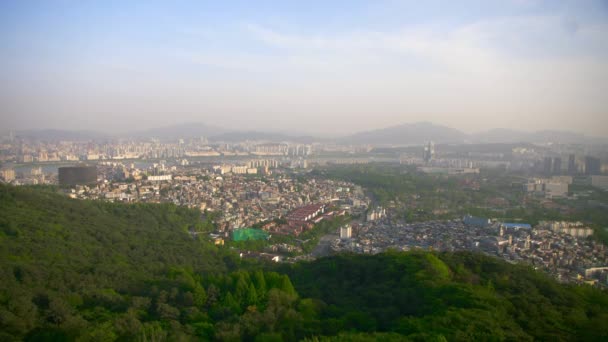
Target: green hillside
{"x": 458, "y": 296}
{"x": 95, "y": 271}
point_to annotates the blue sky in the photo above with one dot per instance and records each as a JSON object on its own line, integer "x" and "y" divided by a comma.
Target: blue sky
{"x": 307, "y": 66}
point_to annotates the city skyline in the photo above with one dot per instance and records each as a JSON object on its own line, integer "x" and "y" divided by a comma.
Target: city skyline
{"x": 313, "y": 68}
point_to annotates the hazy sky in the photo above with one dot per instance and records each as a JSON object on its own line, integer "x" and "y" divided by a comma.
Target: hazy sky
{"x": 307, "y": 66}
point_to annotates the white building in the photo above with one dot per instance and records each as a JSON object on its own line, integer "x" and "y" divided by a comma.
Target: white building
{"x": 554, "y": 187}
{"x": 346, "y": 232}
{"x": 160, "y": 178}
{"x": 8, "y": 175}
{"x": 376, "y": 214}
{"x": 270, "y": 163}
{"x": 576, "y": 229}
{"x": 239, "y": 170}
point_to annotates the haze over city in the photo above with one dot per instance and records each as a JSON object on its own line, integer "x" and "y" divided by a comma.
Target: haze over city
{"x": 322, "y": 170}
{"x": 311, "y": 67}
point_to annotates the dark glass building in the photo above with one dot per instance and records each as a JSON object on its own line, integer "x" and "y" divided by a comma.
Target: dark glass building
{"x": 572, "y": 164}
{"x": 592, "y": 166}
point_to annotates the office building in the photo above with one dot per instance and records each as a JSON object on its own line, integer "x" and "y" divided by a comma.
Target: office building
{"x": 429, "y": 152}
{"x": 553, "y": 187}
{"x": 552, "y": 166}
{"x": 592, "y": 166}
{"x": 557, "y": 165}
{"x": 547, "y": 165}
{"x": 572, "y": 169}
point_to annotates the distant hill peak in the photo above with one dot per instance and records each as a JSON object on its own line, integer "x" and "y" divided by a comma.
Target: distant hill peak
{"x": 408, "y": 134}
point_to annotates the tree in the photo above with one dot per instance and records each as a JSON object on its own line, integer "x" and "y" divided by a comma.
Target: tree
{"x": 252, "y": 296}
{"x": 200, "y": 295}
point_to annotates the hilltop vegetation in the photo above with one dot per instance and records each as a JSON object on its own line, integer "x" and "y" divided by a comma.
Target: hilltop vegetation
{"x": 422, "y": 194}
{"x": 94, "y": 271}
{"x": 457, "y": 296}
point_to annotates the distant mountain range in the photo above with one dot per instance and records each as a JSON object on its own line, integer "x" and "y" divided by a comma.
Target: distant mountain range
{"x": 236, "y": 136}
{"x": 509, "y": 136}
{"x": 407, "y": 134}
{"x": 421, "y": 132}
{"x": 403, "y": 135}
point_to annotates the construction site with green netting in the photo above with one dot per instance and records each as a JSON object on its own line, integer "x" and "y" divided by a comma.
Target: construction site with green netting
{"x": 246, "y": 234}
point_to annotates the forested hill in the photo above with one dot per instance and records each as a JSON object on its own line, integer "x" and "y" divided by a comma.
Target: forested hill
{"x": 459, "y": 296}
{"x": 70, "y": 266}
{"x": 94, "y": 271}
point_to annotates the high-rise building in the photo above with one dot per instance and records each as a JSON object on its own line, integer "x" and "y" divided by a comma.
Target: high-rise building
{"x": 592, "y": 166}
{"x": 548, "y": 165}
{"x": 572, "y": 169}
{"x": 557, "y": 165}
{"x": 552, "y": 166}
{"x": 429, "y": 152}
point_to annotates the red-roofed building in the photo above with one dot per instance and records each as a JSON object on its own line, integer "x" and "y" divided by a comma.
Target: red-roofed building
{"x": 306, "y": 213}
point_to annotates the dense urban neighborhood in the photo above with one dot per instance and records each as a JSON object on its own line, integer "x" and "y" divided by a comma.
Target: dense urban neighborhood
{"x": 265, "y": 198}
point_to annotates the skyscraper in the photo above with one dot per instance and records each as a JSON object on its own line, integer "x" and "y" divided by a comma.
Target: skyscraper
{"x": 572, "y": 169}
{"x": 592, "y": 166}
{"x": 548, "y": 165}
{"x": 429, "y": 152}
{"x": 557, "y": 165}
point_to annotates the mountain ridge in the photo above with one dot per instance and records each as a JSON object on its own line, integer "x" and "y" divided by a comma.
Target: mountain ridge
{"x": 413, "y": 133}
{"x": 403, "y": 134}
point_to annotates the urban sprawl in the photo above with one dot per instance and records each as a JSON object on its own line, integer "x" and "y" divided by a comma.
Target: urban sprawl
{"x": 270, "y": 187}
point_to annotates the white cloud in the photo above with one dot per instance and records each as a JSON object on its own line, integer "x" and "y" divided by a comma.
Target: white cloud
{"x": 517, "y": 71}
{"x": 509, "y": 38}
{"x": 535, "y": 71}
